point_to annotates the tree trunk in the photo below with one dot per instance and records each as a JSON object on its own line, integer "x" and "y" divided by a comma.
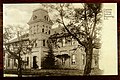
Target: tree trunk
{"x": 19, "y": 67}
{"x": 89, "y": 52}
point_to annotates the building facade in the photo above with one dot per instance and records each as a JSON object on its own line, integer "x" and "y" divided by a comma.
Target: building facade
{"x": 40, "y": 29}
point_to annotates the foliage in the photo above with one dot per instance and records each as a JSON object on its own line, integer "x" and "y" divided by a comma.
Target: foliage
{"x": 17, "y": 47}
{"x": 49, "y": 59}
{"x": 83, "y": 24}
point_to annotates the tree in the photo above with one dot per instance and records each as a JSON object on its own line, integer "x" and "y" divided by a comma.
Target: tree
{"x": 7, "y": 33}
{"x": 16, "y": 48}
{"x": 49, "y": 59}
{"x": 83, "y": 24}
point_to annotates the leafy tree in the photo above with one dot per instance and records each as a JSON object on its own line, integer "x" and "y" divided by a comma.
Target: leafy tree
{"x": 83, "y": 24}
{"x": 16, "y": 48}
{"x": 7, "y": 33}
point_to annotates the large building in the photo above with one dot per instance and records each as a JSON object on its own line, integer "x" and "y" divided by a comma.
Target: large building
{"x": 40, "y": 29}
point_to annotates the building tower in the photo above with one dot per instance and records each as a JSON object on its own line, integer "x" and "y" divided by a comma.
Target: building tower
{"x": 39, "y": 30}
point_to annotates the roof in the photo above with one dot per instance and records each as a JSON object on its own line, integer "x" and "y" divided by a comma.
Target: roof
{"x": 23, "y": 38}
{"x": 38, "y": 16}
{"x": 40, "y": 9}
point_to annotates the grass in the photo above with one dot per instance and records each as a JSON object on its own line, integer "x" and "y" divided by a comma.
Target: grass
{"x": 52, "y": 72}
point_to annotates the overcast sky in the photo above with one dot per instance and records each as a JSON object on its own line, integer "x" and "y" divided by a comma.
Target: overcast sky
{"x": 18, "y": 14}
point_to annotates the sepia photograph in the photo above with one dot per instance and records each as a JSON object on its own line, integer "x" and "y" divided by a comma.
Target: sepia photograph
{"x": 59, "y": 39}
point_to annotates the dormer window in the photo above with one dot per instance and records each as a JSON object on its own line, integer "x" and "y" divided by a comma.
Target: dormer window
{"x": 46, "y": 18}
{"x": 35, "y": 17}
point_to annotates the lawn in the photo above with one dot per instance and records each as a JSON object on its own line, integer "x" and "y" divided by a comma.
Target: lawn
{"x": 51, "y": 72}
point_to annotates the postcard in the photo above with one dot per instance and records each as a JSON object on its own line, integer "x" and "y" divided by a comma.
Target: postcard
{"x": 60, "y": 39}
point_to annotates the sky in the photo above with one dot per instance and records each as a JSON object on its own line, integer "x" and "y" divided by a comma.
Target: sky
{"x": 20, "y": 14}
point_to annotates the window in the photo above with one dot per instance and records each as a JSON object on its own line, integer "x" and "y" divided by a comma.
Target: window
{"x": 31, "y": 31}
{"x": 55, "y": 32}
{"x": 63, "y": 61}
{"x": 46, "y": 32}
{"x": 73, "y": 59}
{"x": 71, "y": 41}
{"x": 15, "y": 64}
{"x": 74, "y": 42}
{"x": 45, "y": 17}
{"x": 27, "y": 60}
{"x": 34, "y": 30}
{"x": 83, "y": 59}
{"x": 37, "y": 28}
{"x": 63, "y": 41}
{"x": 43, "y": 30}
{"x": 96, "y": 60}
{"x": 49, "y": 31}
{"x": 35, "y": 44}
{"x": 35, "y": 17}
{"x": 43, "y": 42}
{"x": 8, "y": 62}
